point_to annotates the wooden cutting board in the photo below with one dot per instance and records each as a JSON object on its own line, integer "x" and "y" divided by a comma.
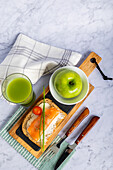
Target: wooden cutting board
{"x": 16, "y": 131}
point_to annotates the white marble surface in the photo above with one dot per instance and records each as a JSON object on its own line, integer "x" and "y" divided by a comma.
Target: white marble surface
{"x": 82, "y": 26}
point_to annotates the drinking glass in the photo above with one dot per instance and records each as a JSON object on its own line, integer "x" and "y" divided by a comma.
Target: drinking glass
{"x": 17, "y": 88}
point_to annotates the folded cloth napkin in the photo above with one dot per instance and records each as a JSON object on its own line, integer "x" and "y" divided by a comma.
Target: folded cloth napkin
{"x": 35, "y": 59}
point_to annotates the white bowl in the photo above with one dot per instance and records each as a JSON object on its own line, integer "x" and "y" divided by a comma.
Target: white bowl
{"x": 76, "y": 99}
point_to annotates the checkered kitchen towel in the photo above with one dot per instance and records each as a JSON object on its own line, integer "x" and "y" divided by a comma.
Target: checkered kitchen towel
{"x": 35, "y": 59}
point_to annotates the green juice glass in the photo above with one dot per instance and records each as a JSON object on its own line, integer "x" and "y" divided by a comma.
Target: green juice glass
{"x": 17, "y": 88}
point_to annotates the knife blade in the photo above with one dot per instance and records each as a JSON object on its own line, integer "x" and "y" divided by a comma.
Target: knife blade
{"x": 70, "y": 148}
{"x": 82, "y": 116}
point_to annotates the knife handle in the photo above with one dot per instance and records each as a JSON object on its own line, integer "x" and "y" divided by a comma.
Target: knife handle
{"x": 82, "y": 116}
{"x": 87, "y": 129}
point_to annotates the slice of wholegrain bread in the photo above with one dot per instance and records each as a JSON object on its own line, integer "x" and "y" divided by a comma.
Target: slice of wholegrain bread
{"x": 29, "y": 118}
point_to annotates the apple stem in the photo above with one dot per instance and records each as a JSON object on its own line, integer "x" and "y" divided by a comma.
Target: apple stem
{"x": 71, "y": 83}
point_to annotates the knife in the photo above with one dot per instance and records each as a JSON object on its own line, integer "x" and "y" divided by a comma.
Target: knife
{"x": 82, "y": 116}
{"x": 70, "y": 148}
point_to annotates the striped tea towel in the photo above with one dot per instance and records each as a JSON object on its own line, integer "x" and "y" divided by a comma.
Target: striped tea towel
{"x": 4, "y": 133}
{"x": 42, "y": 163}
{"x": 35, "y": 59}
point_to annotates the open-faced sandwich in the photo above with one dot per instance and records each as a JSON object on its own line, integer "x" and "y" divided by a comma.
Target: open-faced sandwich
{"x": 53, "y": 117}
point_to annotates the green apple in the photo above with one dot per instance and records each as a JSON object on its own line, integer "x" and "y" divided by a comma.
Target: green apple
{"x": 68, "y": 83}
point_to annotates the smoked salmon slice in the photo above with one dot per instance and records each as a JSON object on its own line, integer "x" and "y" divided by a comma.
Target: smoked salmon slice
{"x": 33, "y": 129}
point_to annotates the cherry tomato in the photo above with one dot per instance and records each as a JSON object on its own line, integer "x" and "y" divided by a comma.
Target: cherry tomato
{"x": 37, "y": 110}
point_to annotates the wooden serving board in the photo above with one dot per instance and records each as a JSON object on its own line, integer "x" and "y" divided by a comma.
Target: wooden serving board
{"x": 16, "y": 131}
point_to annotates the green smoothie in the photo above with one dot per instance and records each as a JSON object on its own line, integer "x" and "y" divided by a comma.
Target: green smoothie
{"x": 19, "y": 90}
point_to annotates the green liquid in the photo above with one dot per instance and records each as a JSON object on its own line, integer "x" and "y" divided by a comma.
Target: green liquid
{"x": 18, "y": 90}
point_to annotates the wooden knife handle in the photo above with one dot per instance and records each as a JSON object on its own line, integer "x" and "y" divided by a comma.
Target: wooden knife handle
{"x": 87, "y": 129}
{"x": 84, "y": 114}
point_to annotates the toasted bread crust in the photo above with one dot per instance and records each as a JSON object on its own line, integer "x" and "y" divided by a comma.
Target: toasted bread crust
{"x": 28, "y": 117}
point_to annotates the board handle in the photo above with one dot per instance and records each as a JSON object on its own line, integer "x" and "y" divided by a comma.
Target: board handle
{"x": 87, "y": 66}
{"x": 82, "y": 116}
{"x": 87, "y": 129}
